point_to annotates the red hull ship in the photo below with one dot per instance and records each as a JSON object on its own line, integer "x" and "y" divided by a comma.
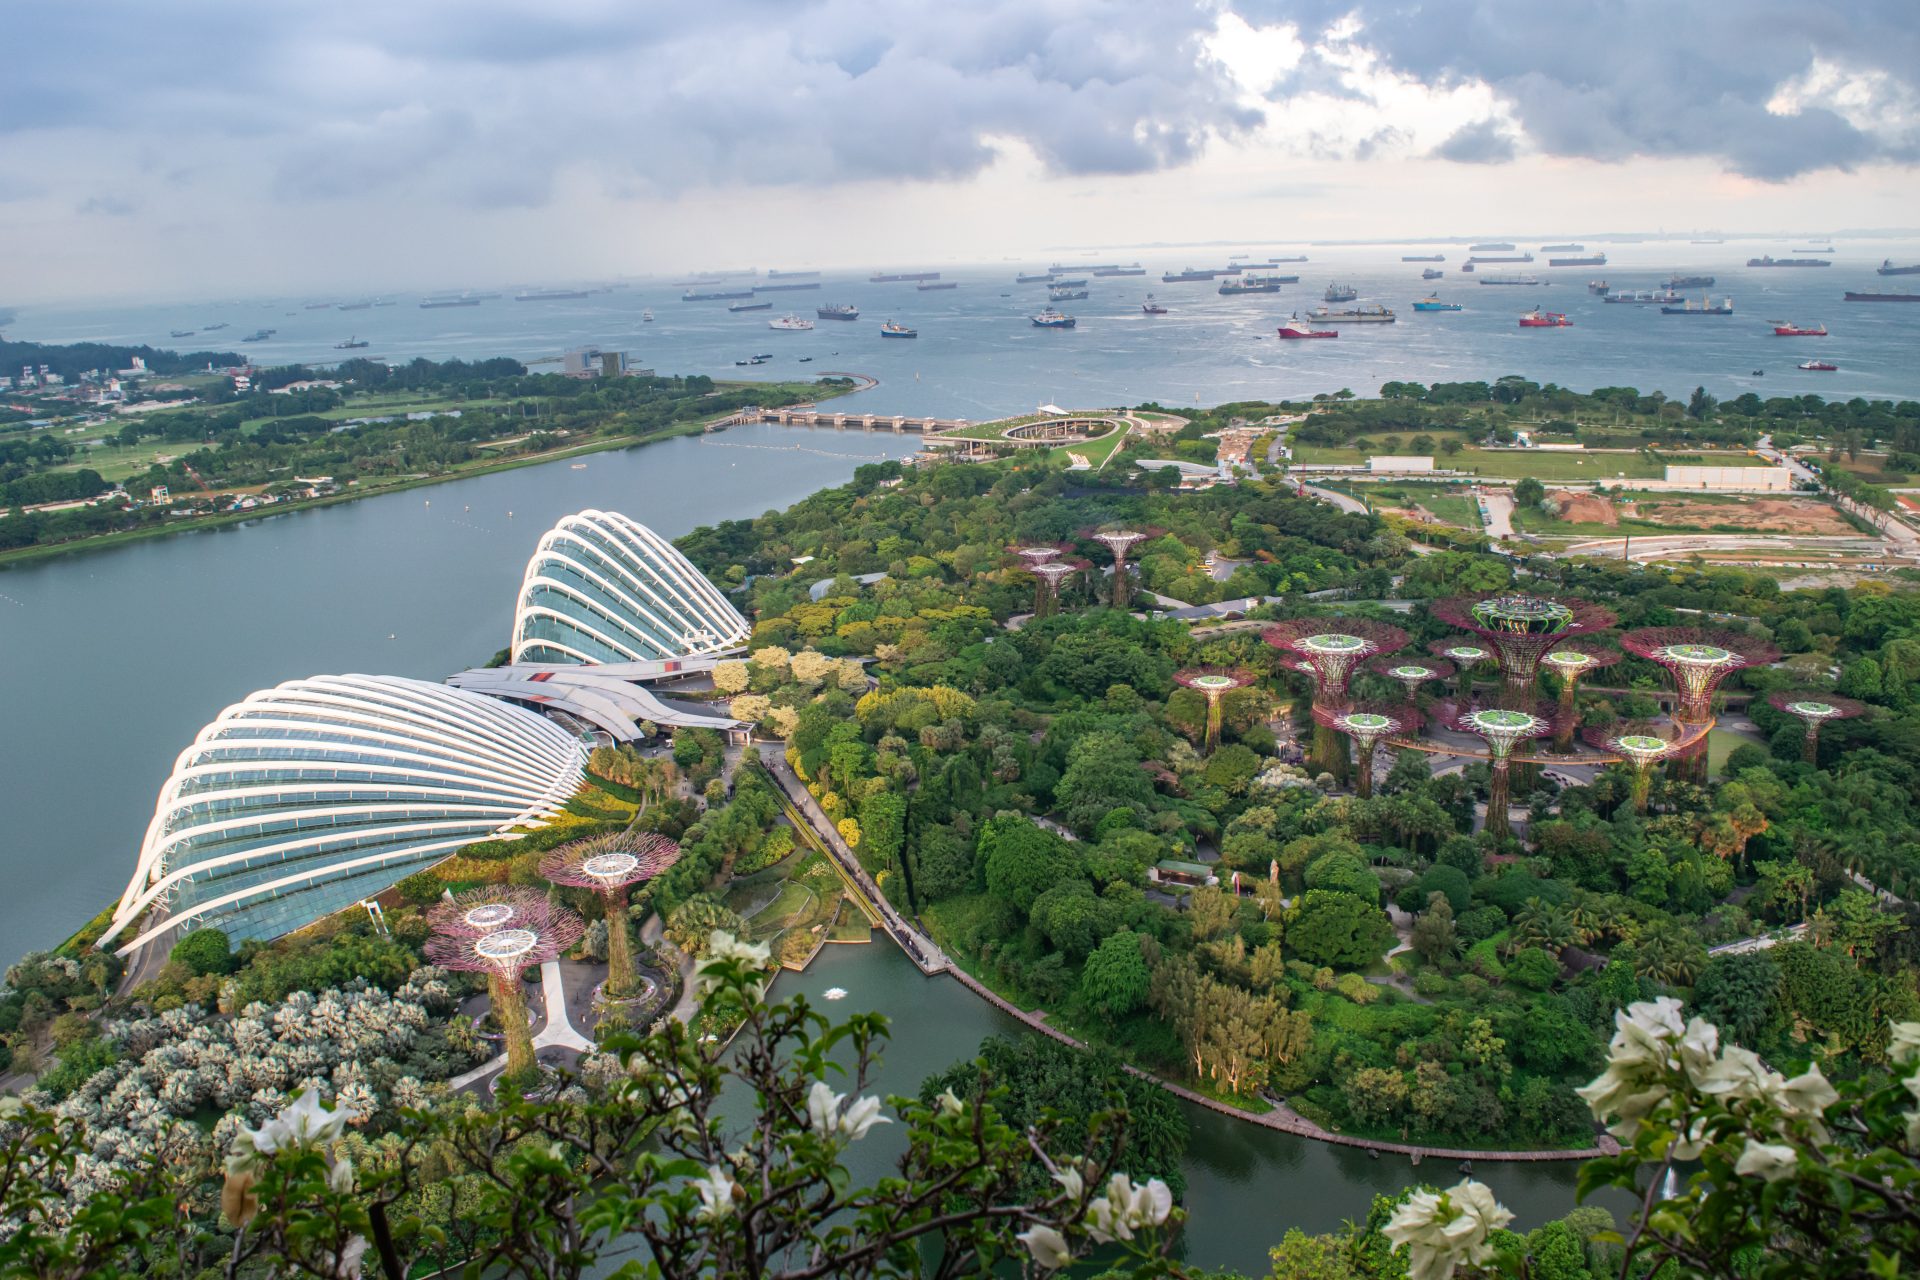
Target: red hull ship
{"x": 1537, "y": 319}
{"x": 1794, "y": 331}
{"x": 1298, "y": 328}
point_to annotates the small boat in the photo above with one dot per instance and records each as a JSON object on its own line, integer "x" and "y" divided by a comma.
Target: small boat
{"x": 1538, "y": 319}
{"x": 790, "y": 324}
{"x": 806, "y": 359}
{"x": 1432, "y": 303}
{"x": 834, "y": 993}
{"x": 1051, "y": 319}
{"x": 1298, "y": 328}
{"x": 892, "y": 330}
{"x": 1152, "y": 308}
{"x": 646, "y": 317}
{"x": 579, "y": 466}
{"x": 1782, "y": 329}
{"x": 1759, "y": 373}
{"x": 1819, "y": 366}
{"x": 351, "y": 344}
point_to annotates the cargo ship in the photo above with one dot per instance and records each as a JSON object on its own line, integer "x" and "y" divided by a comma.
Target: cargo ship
{"x": 1051, "y": 319}
{"x": 1771, "y": 261}
{"x": 1784, "y": 330}
{"x": 1492, "y": 246}
{"x": 1298, "y": 328}
{"x": 793, "y": 275}
{"x": 1563, "y": 248}
{"x": 351, "y": 344}
{"x": 1152, "y": 308}
{"x": 1045, "y": 277}
{"x": 1431, "y": 274}
{"x": 1509, "y": 280}
{"x": 1818, "y": 366}
{"x": 318, "y": 306}
{"x": 1828, "y": 249}
{"x": 1301, "y": 257}
{"x": 1599, "y": 288}
{"x": 1079, "y": 282}
{"x": 902, "y": 277}
{"x": 1538, "y": 319}
{"x": 1886, "y": 268}
{"x": 1432, "y": 303}
{"x": 932, "y": 286}
{"x": 749, "y": 306}
{"x": 180, "y": 333}
{"x": 1061, "y": 294}
{"x": 1484, "y": 259}
{"x": 214, "y": 328}
{"x": 1645, "y": 297}
{"x": 1061, "y": 268}
{"x": 430, "y": 304}
{"x": 563, "y": 295}
{"x": 790, "y": 323}
{"x": 1707, "y": 307}
{"x": 838, "y": 311}
{"x": 366, "y": 305}
{"x": 1467, "y": 266}
{"x": 259, "y": 335}
{"x": 1340, "y": 293}
{"x": 1231, "y": 269}
{"x": 1882, "y": 297}
{"x": 779, "y": 288}
{"x": 1353, "y": 315}
{"x": 1184, "y": 277}
{"x": 1135, "y": 270}
{"x": 1592, "y": 260}
{"x": 1423, "y": 257}
{"x": 892, "y": 330}
{"x": 1689, "y": 282}
{"x": 1248, "y": 284}
{"x": 710, "y": 295}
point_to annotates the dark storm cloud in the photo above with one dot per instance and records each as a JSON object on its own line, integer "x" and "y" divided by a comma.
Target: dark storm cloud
{"x": 1624, "y": 78}
{"x": 1482, "y": 143}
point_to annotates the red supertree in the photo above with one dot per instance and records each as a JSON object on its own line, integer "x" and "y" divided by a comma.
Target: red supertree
{"x": 1698, "y": 660}
{"x": 1815, "y": 709}
{"x": 1031, "y": 558}
{"x": 1368, "y": 724}
{"x": 1411, "y": 672}
{"x": 532, "y": 931}
{"x": 1119, "y": 542}
{"x": 1332, "y": 647}
{"x": 1050, "y": 576}
{"x": 1502, "y": 729}
{"x": 1520, "y": 629}
{"x": 1214, "y": 684}
{"x": 611, "y": 865}
{"x": 1573, "y": 662}
{"x": 1465, "y": 653}
{"x": 1643, "y": 744}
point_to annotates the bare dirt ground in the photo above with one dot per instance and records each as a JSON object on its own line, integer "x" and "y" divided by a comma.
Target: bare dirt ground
{"x": 1769, "y": 515}
{"x": 1585, "y": 508}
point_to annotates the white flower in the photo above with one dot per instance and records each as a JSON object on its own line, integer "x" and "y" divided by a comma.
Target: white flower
{"x": 1626, "y": 1101}
{"x": 950, "y": 1105}
{"x": 1699, "y": 1047}
{"x": 346, "y": 1265}
{"x": 340, "y": 1176}
{"x": 716, "y": 1194}
{"x": 824, "y": 1115}
{"x": 1767, "y": 1160}
{"x": 1048, "y": 1247}
{"x": 1070, "y": 1181}
{"x": 1807, "y": 1094}
{"x": 1904, "y": 1047}
{"x": 823, "y": 1105}
{"x": 1739, "y": 1074}
{"x": 1644, "y": 1031}
{"x": 1126, "y": 1208}
{"x": 304, "y": 1121}
{"x": 1445, "y": 1229}
{"x": 723, "y": 947}
{"x": 862, "y": 1116}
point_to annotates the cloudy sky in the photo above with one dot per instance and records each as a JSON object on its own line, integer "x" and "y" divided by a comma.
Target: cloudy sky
{"x": 153, "y": 148}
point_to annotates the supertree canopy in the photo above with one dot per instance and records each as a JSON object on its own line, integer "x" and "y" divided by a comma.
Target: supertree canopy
{"x": 1036, "y": 555}
{"x": 1643, "y": 744}
{"x": 1698, "y": 661}
{"x": 1816, "y": 709}
{"x": 531, "y": 931}
{"x": 1502, "y": 729}
{"x": 1119, "y": 542}
{"x": 1214, "y": 685}
{"x": 1412, "y": 672}
{"x": 1520, "y": 629}
{"x": 1049, "y": 576}
{"x": 1573, "y": 662}
{"x": 1332, "y": 648}
{"x": 610, "y": 865}
{"x": 1368, "y": 724}
{"x": 1465, "y": 654}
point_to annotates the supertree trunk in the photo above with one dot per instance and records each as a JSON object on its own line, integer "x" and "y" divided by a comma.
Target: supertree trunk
{"x": 1330, "y": 752}
{"x": 1466, "y": 683}
{"x": 1810, "y": 745}
{"x": 1497, "y": 800}
{"x": 1563, "y": 726}
{"x": 1213, "y": 724}
{"x": 620, "y": 973}
{"x": 1363, "y": 785}
{"x": 1642, "y": 783}
{"x": 510, "y": 1011}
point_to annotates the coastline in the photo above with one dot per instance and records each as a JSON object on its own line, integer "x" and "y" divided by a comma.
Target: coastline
{"x": 223, "y": 519}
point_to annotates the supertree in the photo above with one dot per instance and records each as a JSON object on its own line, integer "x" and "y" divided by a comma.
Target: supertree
{"x": 1816, "y": 709}
{"x": 1033, "y": 558}
{"x": 1049, "y": 576}
{"x": 1465, "y": 655}
{"x": 1119, "y": 542}
{"x": 1411, "y": 672}
{"x": 1332, "y": 647}
{"x": 1642, "y": 745}
{"x": 1502, "y": 729}
{"x": 1698, "y": 661}
{"x": 1367, "y": 724}
{"x": 1572, "y": 662}
{"x": 611, "y": 865}
{"x": 1214, "y": 685}
{"x": 1520, "y": 629}
{"x": 500, "y": 931}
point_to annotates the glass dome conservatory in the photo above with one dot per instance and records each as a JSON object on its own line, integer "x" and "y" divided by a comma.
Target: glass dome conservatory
{"x": 601, "y": 588}
{"x": 310, "y": 796}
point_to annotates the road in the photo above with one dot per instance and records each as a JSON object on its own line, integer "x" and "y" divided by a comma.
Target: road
{"x": 1496, "y": 512}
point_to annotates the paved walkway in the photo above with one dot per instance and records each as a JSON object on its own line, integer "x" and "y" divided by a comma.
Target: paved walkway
{"x": 557, "y": 1034}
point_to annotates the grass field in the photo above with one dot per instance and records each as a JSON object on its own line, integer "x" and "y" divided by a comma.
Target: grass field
{"x": 1447, "y": 501}
{"x": 1548, "y": 466}
{"x": 1095, "y": 452}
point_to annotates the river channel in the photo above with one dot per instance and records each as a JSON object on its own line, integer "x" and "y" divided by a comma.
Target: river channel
{"x": 113, "y": 660}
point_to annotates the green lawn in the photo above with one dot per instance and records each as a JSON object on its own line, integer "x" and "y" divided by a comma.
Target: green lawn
{"x": 1095, "y": 452}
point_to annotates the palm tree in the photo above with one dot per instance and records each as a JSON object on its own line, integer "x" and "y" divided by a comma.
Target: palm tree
{"x": 1542, "y": 924}
{"x": 1668, "y": 953}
